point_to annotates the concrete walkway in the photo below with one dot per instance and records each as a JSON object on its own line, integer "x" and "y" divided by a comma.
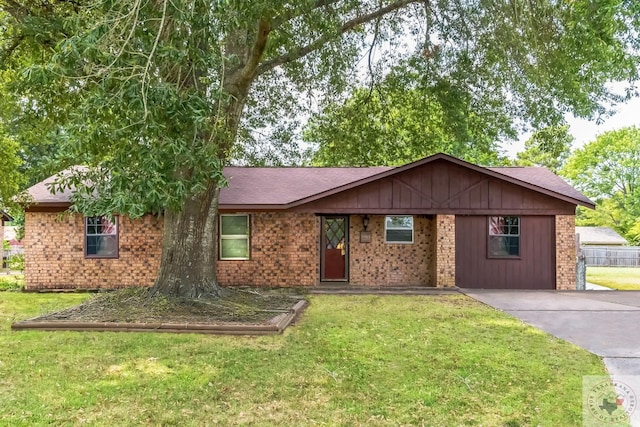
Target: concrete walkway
{"x": 594, "y": 287}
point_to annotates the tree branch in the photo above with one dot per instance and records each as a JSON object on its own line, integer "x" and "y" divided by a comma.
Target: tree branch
{"x": 277, "y": 21}
{"x": 146, "y": 74}
{"x": 321, "y": 41}
{"x": 249, "y": 69}
{"x": 6, "y": 54}
{"x": 17, "y": 10}
{"x": 370, "y": 55}
{"x": 13, "y": 8}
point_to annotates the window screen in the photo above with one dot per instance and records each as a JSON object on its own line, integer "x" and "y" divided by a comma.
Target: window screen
{"x": 234, "y": 237}
{"x": 398, "y": 229}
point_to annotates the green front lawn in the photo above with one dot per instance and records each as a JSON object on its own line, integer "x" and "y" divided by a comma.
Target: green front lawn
{"x": 623, "y": 278}
{"x": 350, "y": 360}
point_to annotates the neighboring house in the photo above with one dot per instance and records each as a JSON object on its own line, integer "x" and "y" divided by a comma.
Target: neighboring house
{"x": 603, "y": 247}
{"x": 438, "y": 222}
{"x": 600, "y": 236}
{"x": 10, "y": 232}
{"x": 4, "y": 217}
{"x": 15, "y": 245}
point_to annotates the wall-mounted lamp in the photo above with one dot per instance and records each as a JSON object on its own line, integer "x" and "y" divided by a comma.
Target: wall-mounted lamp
{"x": 365, "y": 222}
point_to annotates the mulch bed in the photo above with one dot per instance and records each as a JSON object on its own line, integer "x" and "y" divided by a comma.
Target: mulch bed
{"x": 238, "y": 311}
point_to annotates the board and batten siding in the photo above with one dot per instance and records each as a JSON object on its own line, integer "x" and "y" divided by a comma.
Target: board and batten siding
{"x": 533, "y": 269}
{"x": 440, "y": 188}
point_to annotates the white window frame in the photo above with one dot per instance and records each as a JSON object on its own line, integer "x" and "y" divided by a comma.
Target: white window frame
{"x": 235, "y": 237}
{"x": 386, "y": 228}
{"x": 493, "y": 234}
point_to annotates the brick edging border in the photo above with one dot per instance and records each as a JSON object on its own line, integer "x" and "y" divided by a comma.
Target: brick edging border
{"x": 275, "y": 325}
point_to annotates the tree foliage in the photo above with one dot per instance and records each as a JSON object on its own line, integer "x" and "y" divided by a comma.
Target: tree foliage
{"x": 608, "y": 166}
{"x": 608, "y": 171}
{"x": 482, "y": 71}
{"x": 549, "y": 147}
{"x": 394, "y": 125}
{"x": 153, "y": 92}
{"x": 155, "y": 95}
{"x": 10, "y": 178}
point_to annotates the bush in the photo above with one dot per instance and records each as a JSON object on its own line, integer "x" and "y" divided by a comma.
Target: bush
{"x": 16, "y": 262}
{"x": 12, "y": 282}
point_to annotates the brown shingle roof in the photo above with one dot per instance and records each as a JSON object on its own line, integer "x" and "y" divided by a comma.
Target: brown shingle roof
{"x": 250, "y": 186}
{"x": 543, "y": 178}
{"x": 41, "y": 194}
{"x": 282, "y": 187}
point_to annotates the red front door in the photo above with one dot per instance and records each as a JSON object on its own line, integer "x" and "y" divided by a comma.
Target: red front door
{"x": 335, "y": 247}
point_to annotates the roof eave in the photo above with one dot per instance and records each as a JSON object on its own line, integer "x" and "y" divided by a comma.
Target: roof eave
{"x": 589, "y": 205}
{"x": 47, "y": 206}
{"x": 252, "y": 207}
{"x": 5, "y": 216}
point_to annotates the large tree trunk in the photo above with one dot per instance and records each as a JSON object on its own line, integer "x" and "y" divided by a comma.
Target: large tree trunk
{"x": 190, "y": 250}
{"x": 190, "y": 244}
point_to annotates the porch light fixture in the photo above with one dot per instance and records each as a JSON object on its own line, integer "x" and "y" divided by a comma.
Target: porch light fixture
{"x": 365, "y": 222}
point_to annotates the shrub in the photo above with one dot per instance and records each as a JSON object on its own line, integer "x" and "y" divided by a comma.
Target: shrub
{"x": 16, "y": 262}
{"x": 12, "y": 282}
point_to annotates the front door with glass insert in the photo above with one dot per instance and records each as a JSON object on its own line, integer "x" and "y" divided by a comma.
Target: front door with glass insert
{"x": 335, "y": 248}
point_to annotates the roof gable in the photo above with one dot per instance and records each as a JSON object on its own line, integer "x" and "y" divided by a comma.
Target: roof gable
{"x": 439, "y": 186}
{"x": 538, "y": 179}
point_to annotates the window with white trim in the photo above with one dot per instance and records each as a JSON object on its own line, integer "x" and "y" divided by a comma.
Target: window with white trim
{"x": 398, "y": 229}
{"x": 101, "y": 237}
{"x": 504, "y": 236}
{"x": 234, "y": 237}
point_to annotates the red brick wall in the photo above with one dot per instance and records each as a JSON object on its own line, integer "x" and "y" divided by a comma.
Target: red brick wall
{"x": 379, "y": 264}
{"x": 284, "y": 252}
{"x": 54, "y": 253}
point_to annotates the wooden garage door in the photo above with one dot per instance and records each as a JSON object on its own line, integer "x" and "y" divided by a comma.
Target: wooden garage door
{"x": 533, "y": 269}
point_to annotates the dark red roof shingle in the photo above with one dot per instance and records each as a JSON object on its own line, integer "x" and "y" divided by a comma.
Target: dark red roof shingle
{"x": 543, "y": 178}
{"x": 282, "y": 186}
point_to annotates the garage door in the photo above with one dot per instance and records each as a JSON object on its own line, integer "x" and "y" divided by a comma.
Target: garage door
{"x": 533, "y": 267}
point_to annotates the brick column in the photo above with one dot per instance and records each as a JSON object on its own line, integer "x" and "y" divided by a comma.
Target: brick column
{"x": 565, "y": 252}
{"x": 445, "y": 250}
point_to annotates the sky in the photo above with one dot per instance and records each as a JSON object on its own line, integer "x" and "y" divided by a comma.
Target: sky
{"x": 584, "y": 131}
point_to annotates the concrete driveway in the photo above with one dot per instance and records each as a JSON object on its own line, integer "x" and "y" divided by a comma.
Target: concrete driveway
{"x": 606, "y": 323}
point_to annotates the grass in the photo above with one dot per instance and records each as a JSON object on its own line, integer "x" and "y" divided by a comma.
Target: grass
{"x": 350, "y": 360}
{"x": 622, "y": 278}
